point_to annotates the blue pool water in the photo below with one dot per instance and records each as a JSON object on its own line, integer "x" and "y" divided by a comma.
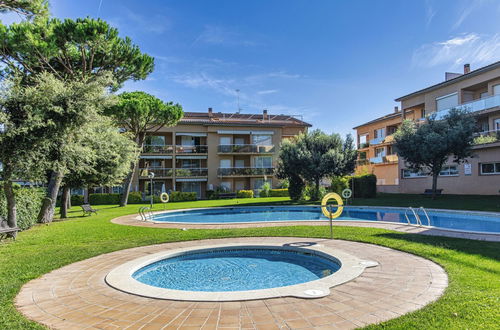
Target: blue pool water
{"x": 235, "y": 270}
{"x": 464, "y": 221}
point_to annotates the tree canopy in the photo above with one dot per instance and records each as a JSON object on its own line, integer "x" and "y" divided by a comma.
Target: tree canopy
{"x": 313, "y": 156}
{"x": 28, "y": 8}
{"x": 428, "y": 146}
{"x": 138, "y": 113}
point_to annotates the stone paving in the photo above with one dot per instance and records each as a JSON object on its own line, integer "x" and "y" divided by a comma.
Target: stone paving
{"x": 77, "y": 297}
{"x": 133, "y": 220}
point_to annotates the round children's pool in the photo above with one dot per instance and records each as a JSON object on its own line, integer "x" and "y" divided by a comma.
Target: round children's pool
{"x": 236, "y": 269}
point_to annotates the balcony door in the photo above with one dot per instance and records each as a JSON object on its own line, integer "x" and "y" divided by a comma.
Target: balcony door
{"x": 192, "y": 187}
{"x": 225, "y": 140}
{"x": 263, "y": 162}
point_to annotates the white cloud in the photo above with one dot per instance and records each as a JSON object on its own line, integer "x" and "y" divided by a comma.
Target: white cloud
{"x": 430, "y": 12}
{"x": 267, "y": 91}
{"x": 132, "y": 21}
{"x": 468, "y": 48}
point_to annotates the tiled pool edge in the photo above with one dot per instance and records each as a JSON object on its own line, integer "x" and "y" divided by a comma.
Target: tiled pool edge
{"x": 351, "y": 267}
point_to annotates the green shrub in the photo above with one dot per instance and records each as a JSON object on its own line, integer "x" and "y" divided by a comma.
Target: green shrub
{"x": 102, "y": 199}
{"x": 76, "y": 200}
{"x": 134, "y": 197}
{"x": 179, "y": 196}
{"x": 28, "y": 203}
{"x": 339, "y": 183}
{"x": 244, "y": 194}
{"x": 308, "y": 193}
{"x": 365, "y": 186}
{"x": 485, "y": 139}
{"x": 279, "y": 193}
{"x": 212, "y": 194}
{"x": 264, "y": 190}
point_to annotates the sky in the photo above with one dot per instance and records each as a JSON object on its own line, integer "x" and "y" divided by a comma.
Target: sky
{"x": 337, "y": 64}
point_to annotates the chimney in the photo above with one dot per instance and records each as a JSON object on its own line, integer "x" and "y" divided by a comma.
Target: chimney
{"x": 264, "y": 115}
{"x": 466, "y": 68}
{"x": 210, "y": 114}
{"x": 396, "y": 109}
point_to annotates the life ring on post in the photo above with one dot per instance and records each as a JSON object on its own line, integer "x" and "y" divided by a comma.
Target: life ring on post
{"x": 324, "y": 208}
{"x": 164, "y": 197}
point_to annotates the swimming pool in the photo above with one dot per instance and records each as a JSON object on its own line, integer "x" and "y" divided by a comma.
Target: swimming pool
{"x": 451, "y": 220}
{"x": 235, "y": 269}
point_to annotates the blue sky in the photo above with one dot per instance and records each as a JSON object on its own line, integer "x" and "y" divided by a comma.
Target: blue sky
{"x": 336, "y": 63}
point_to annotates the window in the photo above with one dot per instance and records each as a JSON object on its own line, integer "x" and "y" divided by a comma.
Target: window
{"x": 239, "y": 163}
{"x": 224, "y": 140}
{"x": 496, "y": 89}
{"x": 407, "y": 174}
{"x": 496, "y": 124}
{"x": 362, "y": 155}
{"x": 262, "y": 140}
{"x": 447, "y": 102}
{"x": 379, "y": 133}
{"x": 483, "y": 95}
{"x": 226, "y": 185}
{"x": 190, "y": 163}
{"x": 192, "y": 187}
{"x": 2, "y": 127}
{"x": 225, "y": 163}
{"x": 390, "y": 150}
{"x": 117, "y": 189}
{"x": 258, "y": 183}
{"x": 154, "y": 163}
{"x": 363, "y": 140}
{"x": 239, "y": 185}
{"x": 155, "y": 140}
{"x": 485, "y": 127}
{"x": 264, "y": 162}
{"x": 379, "y": 152}
{"x": 239, "y": 141}
{"x": 490, "y": 168}
{"x": 450, "y": 170}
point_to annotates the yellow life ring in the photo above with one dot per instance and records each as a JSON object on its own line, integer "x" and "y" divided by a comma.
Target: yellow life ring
{"x": 164, "y": 197}
{"x": 339, "y": 201}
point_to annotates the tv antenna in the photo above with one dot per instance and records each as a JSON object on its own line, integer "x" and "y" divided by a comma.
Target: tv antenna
{"x": 238, "y": 100}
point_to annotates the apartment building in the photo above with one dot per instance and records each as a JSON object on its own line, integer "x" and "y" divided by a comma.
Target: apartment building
{"x": 207, "y": 150}
{"x": 376, "y": 154}
{"x": 477, "y": 91}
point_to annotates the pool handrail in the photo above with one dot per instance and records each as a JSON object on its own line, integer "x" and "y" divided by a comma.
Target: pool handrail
{"x": 426, "y": 215}
{"x": 417, "y": 218}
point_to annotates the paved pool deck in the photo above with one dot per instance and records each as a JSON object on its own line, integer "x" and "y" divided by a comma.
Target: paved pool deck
{"x": 77, "y": 297}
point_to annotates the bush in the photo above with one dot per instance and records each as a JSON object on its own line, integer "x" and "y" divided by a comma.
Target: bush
{"x": 339, "y": 183}
{"x": 278, "y": 193}
{"x": 76, "y": 200}
{"x": 244, "y": 194}
{"x": 264, "y": 190}
{"x": 212, "y": 194}
{"x": 28, "y": 203}
{"x": 310, "y": 190}
{"x": 134, "y": 197}
{"x": 104, "y": 199}
{"x": 365, "y": 186}
{"x": 179, "y": 196}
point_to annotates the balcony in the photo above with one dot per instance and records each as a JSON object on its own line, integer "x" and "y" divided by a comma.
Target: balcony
{"x": 158, "y": 171}
{"x": 477, "y": 105}
{"x": 486, "y": 137}
{"x": 362, "y": 162}
{"x": 197, "y": 149}
{"x": 378, "y": 140}
{"x": 245, "y": 148}
{"x": 363, "y": 145}
{"x": 158, "y": 149}
{"x": 190, "y": 172}
{"x": 245, "y": 171}
{"x": 389, "y": 159}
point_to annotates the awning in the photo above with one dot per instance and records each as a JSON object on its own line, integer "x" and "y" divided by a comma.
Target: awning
{"x": 191, "y": 180}
{"x": 245, "y": 132}
{"x": 155, "y": 157}
{"x": 191, "y": 134}
{"x": 191, "y": 157}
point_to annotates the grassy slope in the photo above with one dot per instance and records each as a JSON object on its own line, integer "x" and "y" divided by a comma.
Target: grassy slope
{"x": 471, "y": 301}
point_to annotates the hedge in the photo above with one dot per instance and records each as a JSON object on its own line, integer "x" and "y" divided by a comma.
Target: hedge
{"x": 365, "y": 186}
{"x": 179, "y": 196}
{"x": 77, "y": 200}
{"x": 244, "y": 194}
{"x": 279, "y": 193}
{"x": 135, "y": 197}
{"x": 28, "y": 203}
{"x": 101, "y": 199}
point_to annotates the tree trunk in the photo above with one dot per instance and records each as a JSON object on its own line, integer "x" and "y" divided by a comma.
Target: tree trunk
{"x": 11, "y": 203}
{"x": 316, "y": 189}
{"x": 434, "y": 184}
{"x": 46, "y": 214}
{"x": 127, "y": 183}
{"x": 64, "y": 202}
{"x": 69, "y": 199}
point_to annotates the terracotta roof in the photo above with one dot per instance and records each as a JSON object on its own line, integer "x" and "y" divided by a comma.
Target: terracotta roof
{"x": 235, "y": 119}
{"x": 452, "y": 81}
{"x": 389, "y": 116}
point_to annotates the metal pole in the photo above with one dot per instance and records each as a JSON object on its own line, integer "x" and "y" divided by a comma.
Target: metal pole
{"x": 331, "y": 222}
{"x": 151, "y": 192}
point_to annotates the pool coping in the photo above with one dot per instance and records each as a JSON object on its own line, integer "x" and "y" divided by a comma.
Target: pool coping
{"x": 121, "y": 278}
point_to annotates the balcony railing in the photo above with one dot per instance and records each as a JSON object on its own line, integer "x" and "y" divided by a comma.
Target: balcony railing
{"x": 477, "y": 105}
{"x": 245, "y": 171}
{"x": 158, "y": 171}
{"x": 156, "y": 149}
{"x": 362, "y": 162}
{"x": 363, "y": 145}
{"x": 389, "y": 159}
{"x": 486, "y": 137}
{"x": 378, "y": 140}
{"x": 245, "y": 148}
{"x": 197, "y": 149}
{"x": 189, "y": 172}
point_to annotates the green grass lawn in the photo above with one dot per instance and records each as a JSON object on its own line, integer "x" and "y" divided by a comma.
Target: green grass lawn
{"x": 471, "y": 301}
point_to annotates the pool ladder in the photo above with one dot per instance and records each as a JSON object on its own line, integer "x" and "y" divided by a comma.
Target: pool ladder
{"x": 417, "y": 216}
{"x": 145, "y": 212}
